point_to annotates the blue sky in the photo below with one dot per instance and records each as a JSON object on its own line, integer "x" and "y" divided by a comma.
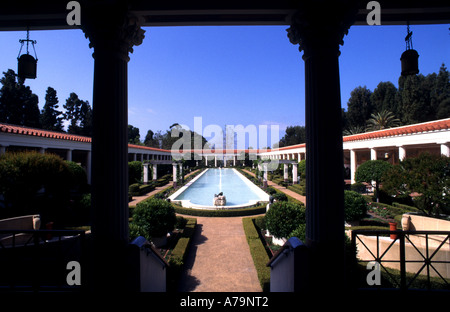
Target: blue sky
{"x": 249, "y": 75}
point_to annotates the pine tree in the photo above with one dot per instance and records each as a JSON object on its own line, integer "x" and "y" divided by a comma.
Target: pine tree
{"x": 51, "y": 118}
{"x": 441, "y": 94}
{"x": 359, "y": 107}
{"x": 384, "y": 97}
{"x": 79, "y": 114}
{"x": 18, "y": 104}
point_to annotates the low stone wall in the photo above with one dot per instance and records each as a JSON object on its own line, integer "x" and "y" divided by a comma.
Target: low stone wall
{"x": 411, "y": 254}
{"x": 415, "y": 246}
{"x": 29, "y": 222}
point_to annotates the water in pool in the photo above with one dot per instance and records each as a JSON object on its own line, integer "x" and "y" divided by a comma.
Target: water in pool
{"x": 225, "y": 180}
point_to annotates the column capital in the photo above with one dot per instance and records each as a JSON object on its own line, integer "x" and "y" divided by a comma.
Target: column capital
{"x": 321, "y": 24}
{"x": 111, "y": 28}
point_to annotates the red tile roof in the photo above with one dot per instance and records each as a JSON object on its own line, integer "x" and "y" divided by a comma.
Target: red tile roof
{"x": 436, "y": 125}
{"x": 7, "y": 128}
{"x": 42, "y": 133}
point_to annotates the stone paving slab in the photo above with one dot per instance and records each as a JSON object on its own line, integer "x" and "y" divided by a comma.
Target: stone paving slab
{"x": 219, "y": 258}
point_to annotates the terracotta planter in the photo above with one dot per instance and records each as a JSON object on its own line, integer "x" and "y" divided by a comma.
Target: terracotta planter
{"x": 393, "y": 227}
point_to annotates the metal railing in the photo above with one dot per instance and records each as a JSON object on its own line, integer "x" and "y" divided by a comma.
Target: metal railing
{"x": 425, "y": 256}
{"x": 37, "y": 260}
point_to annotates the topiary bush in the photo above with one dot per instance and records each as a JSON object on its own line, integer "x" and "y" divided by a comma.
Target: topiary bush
{"x": 32, "y": 182}
{"x": 358, "y": 187}
{"x": 154, "y": 217}
{"x": 355, "y": 206}
{"x": 284, "y": 217}
{"x": 299, "y": 232}
{"x": 278, "y": 196}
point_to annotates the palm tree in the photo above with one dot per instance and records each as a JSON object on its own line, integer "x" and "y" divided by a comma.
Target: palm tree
{"x": 382, "y": 120}
{"x": 353, "y": 130}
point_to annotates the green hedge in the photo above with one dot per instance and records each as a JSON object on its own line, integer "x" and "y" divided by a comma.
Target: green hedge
{"x": 179, "y": 253}
{"x": 180, "y": 249}
{"x": 258, "y": 252}
{"x": 299, "y": 189}
{"x": 137, "y": 189}
{"x": 220, "y": 213}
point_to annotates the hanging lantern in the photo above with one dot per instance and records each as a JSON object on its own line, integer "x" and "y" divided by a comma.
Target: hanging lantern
{"x": 409, "y": 58}
{"x": 27, "y": 64}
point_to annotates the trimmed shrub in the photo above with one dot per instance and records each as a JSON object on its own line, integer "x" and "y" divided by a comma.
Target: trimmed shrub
{"x": 280, "y": 196}
{"x": 258, "y": 252}
{"x": 156, "y": 217}
{"x": 133, "y": 189}
{"x": 284, "y": 217}
{"x": 220, "y": 212}
{"x": 35, "y": 183}
{"x": 270, "y": 190}
{"x": 358, "y": 187}
{"x": 355, "y": 206}
{"x": 299, "y": 232}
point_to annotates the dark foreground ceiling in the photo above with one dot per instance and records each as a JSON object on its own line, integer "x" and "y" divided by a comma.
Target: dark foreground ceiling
{"x": 51, "y": 14}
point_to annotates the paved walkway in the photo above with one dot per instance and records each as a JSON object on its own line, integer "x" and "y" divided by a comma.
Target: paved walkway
{"x": 219, "y": 258}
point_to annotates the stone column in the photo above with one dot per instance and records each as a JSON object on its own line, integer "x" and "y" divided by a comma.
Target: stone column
{"x": 352, "y": 165}
{"x": 155, "y": 172}
{"x": 89, "y": 166}
{"x": 285, "y": 172}
{"x": 265, "y": 175}
{"x": 373, "y": 154}
{"x": 42, "y": 150}
{"x": 401, "y": 153}
{"x": 112, "y": 32}
{"x": 181, "y": 173}
{"x": 145, "y": 173}
{"x": 294, "y": 174}
{"x": 215, "y": 161}
{"x": 69, "y": 155}
{"x": 319, "y": 28}
{"x": 445, "y": 149}
{"x": 174, "y": 174}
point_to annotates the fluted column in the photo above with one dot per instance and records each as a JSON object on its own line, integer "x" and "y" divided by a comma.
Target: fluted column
{"x": 112, "y": 36}
{"x": 319, "y": 27}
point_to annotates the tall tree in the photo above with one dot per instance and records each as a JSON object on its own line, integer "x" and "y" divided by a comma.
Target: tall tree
{"x": 86, "y": 119}
{"x": 415, "y": 93}
{"x": 133, "y": 135}
{"x": 51, "y": 118}
{"x": 149, "y": 140}
{"x": 79, "y": 114}
{"x": 441, "y": 94}
{"x": 294, "y": 135}
{"x": 18, "y": 104}
{"x": 384, "y": 98}
{"x": 359, "y": 107}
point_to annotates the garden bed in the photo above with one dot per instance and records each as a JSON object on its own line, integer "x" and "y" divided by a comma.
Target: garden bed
{"x": 175, "y": 251}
